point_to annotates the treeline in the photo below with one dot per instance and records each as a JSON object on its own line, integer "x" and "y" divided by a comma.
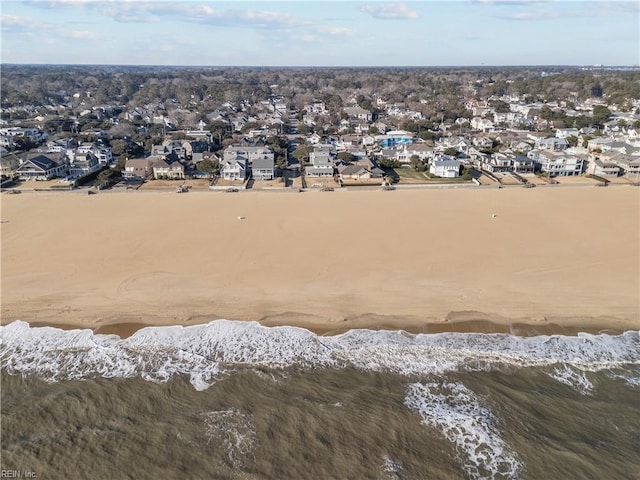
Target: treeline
{"x": 208, "y": 88}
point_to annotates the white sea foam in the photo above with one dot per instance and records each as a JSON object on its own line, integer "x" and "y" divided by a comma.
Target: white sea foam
{"x": 572, "y": 377}
{"x": 630, "y": 376}
{"x": 390, "y": 465}
{"x": 234, "y": 431}
{"x": 204, "y": 352}
{"x": 471, "y": 427}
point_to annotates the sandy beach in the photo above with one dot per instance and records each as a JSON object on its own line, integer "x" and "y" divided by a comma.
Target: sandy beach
{"x": 327, "y": 261}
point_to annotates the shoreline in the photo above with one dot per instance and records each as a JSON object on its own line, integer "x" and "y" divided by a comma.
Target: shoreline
{"x": 415, "y": 259}
{"x": 482, "y": 326}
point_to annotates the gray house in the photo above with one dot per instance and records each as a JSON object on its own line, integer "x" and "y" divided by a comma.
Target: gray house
{"x": 323, "y": 160}
{"x": 263, "y": 168}
{"x": 40, "y": 168}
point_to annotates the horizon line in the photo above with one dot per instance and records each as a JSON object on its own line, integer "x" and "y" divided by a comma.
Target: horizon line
{"x": 558, "y": 65}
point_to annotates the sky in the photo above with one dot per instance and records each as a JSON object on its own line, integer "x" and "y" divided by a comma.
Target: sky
{"x": 327, "y": 33}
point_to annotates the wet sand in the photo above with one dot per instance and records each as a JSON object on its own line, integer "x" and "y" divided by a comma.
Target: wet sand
{"x": 466, "y": 259}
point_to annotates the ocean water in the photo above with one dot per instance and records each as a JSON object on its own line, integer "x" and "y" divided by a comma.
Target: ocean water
{"x": 238, "y": 400}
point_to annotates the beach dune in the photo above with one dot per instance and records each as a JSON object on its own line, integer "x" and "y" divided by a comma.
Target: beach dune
{"x": 324, "y": 260}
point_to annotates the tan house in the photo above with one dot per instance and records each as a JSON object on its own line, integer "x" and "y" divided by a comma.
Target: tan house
{"x": 168, "y": 171}
{"x": 356, "y": 172}
{"x": 137, "y": 168}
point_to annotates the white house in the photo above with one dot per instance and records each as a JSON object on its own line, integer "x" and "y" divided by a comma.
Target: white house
{"x": 557, "y": 163}
{"x": 234, "y": 169}
{"x": 171, "y": 171}
{"x": 81, "y": 165}
{"x": 445, "y": 167}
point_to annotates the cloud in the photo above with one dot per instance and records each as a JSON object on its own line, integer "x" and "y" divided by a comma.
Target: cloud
{"x": 589, "y": 9}
{"x": 133, "y": 11}
{"x": 27, "y": 26}
{"x": 537, "y": 15}
{"x": 509, "y": 2}
{"x": 15, "y": 24}
{"x": 389, "y": 11}
{"x": 80, "y": 34}
{"x": 259, "y": 19}
{"x": 337, "y": 31}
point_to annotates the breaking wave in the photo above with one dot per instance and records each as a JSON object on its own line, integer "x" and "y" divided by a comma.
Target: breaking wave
{"x": 464, "y": 421}
{"x": 204, "y": 352}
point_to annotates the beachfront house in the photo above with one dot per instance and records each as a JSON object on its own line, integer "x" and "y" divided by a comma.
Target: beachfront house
{"x": 163, "y": 169}
{"x": 445, "y": 167}
{"x": 234, "y": 169}
{"x": 83, "y": 164}
{"x": 249, "y": 154}
{"x": 358, "y": 172}
{"x": 137, "y": 168}
{"x": 603, "y": 169}
{"x": 263, "y": 168}
{"x": 629, "y": 164}
{"x": 522, "y": 164}
{"x": 557, "y": 163}
{"x": 41, "y": 167}
{"x": 323, "y": 160}
{"x": 498, "y": 162}
{"x": 9, "y": 164}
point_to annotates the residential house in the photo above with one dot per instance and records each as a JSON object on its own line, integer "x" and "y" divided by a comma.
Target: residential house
{"x": 567, "y": 132}
{"x": 555, "y": 163}
{"x": 358, "y": 113}
{"x": 137, "y": 168}
{"x": 33, "y": 134}
{"x": 9, "y": 164}
{"x": 314, "y": 139}
{"x": 234, "y": 169}
{"x": 347, "y": 141}
{"x": 316, "y": 107}
{"x": 358, "y": 172}
{"x": 368, "y": 140}
{"x": 323, "y": 160}
{"x": 599, "y": 143}
{"x": 629, "y": 164}
{"x": 510, "y": 118}
{"x": 476, "y": 156}
{"x": 482, "y": 124}
{"x": 619, "y": 147}
{"x": 482, "y": 142}
{"x": 83, "y": 164}
{"x": 103, "y": 154}
{"x": 40, "y": 167}
{"x": 445, "y": 167}
{"x": 162, "y": 169}
{"x": 604, "y": 169}
{"x": 395, "y": 138}
{"x": 58, "y": 146}
{"x": 520, "y": 146}
{"x": 523, "y": 164}
{"x": 498, "y": 162}
{"x": 553, "y": 144}
{"x": 6, "y": 141}
{"x": 248, "y": 153}
{"x": 263, "y": 168}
